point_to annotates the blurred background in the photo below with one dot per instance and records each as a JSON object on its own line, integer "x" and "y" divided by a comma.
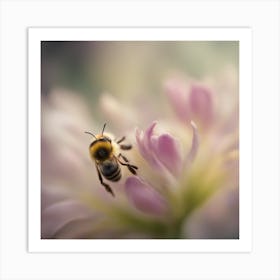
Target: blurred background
{"x": 130, "y": 69}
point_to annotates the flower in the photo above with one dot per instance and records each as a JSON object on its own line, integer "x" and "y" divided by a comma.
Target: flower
{"x": 145, "y": 197}
{"x": 184, "y": 162}
{"x": 191, "y": 102}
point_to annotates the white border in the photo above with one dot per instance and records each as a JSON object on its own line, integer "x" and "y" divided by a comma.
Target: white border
{"x": 263, "y": 16}
{"x": 243, "y": 35}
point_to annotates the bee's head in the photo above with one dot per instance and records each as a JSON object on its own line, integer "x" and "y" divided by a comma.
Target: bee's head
{"x": 101, "y": 148}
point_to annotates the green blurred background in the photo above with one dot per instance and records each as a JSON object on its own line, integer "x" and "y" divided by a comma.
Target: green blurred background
{"x": 125, "y": 68}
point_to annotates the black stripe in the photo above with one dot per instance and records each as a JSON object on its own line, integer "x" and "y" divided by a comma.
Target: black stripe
{"x": 114, "y": 174}
{"x": 117, "y": 178}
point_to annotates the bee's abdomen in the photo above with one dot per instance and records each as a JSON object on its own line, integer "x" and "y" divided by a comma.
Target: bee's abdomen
{"x": 111, "y": 170}
{"x": 115, "y": 176}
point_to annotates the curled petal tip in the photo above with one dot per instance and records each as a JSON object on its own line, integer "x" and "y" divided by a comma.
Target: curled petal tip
{"x": 145, "y": 144}
{"x": 148, "y": 134}
{"x": 193, "y": 124}
{"x": 151, "y": 127}
{"x": 137, "y": 132}
{"x": 195, "y": 144}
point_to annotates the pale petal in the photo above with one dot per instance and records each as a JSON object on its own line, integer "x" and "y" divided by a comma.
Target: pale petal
{"x": 144, "y": 197}
{"x": 57, "y": 215}
{"x": 195, "y": 144}
{"x": 117, "y": 113}
{"x": 139, "y": 140}
{"x": 168, "y": 153}
{"x": 177, "y": 91}
{"x": 144, "y": 151}
{"x": 201, "y": 104}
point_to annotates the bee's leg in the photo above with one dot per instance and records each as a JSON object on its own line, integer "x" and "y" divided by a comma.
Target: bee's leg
{"x": 130, "y": 167}
{"x": 122, "y": 139}
{"x": 125, "y": 147}
{"x": 126, "y": 160}
{"x": 123, "y": 157}
{"x": 107, "y": 187}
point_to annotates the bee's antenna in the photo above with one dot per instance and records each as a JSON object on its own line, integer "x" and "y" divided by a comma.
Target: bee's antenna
{"x": 91, "y": 134}
{"x": 103, "y": 129}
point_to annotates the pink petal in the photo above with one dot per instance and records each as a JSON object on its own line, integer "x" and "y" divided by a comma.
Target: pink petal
{"x": 144, "y": 151}
{"x": 195, "y": 145}
{"x": 176, "y": 91}
{"x": 167, "y": 151}
{"x": 144, "y": 197}
{"x": 148, "y": 134}
{"x": 145, "y": 145}
{"x": 139, "y": 140}
{"x": 201, "y": 104}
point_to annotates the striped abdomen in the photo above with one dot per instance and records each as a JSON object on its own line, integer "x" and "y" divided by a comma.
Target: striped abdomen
{"x": 110, "y": 169}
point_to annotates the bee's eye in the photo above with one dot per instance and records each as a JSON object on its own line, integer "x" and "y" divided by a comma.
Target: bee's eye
{"x": 101, "y": 153}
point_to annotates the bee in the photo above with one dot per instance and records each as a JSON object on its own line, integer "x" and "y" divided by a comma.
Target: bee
{"x": 105, "y": 153}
